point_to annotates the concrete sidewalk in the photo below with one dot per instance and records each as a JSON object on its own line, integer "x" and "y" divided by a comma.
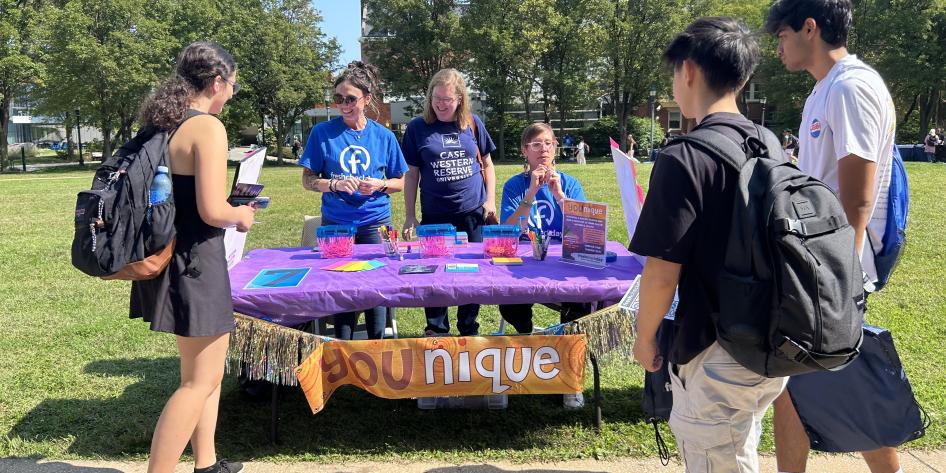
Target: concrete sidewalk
{"x": 912, "y": 462}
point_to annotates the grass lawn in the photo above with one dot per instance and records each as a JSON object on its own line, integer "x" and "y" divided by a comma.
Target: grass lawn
{"x": 80, "y": 380}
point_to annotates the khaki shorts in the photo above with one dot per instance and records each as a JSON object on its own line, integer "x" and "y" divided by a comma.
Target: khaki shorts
{"x": 717, "y": 412}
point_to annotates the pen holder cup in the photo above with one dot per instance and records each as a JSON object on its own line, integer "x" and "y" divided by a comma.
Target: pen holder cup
{"x": 539, "y": 251}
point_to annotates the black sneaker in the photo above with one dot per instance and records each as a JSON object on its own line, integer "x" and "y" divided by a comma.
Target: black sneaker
{"x": 222, "y": 466}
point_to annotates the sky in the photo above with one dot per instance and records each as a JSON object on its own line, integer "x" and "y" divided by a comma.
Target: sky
{"x": 342, "y": 19}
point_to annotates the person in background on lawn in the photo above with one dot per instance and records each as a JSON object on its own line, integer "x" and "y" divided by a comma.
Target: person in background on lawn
{"x": 538, "y": 194}
{"x": 789, "y": 144}
{"x": 356, "y": 163}
{"x": 631, "y": 145}
{"x": 929, "y": 145}
{"x": 846, "y": 140}
{"x": 191, "y": 299}
{"x": 718, "y": 404}
{"x": 296, "y": 146}
{"x": 581, "y": 149}
{"x": 443, "y": 150}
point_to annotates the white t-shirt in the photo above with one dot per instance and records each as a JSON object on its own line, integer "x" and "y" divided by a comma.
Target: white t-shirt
{"x": 849, "y": 112}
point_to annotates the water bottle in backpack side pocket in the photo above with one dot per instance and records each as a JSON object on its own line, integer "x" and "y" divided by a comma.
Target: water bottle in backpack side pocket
{"x": 160, "y": 189}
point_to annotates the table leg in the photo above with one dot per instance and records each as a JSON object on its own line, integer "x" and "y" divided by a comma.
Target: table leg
{"x": 597, "y": 378}
{"x": 274, "y": 419}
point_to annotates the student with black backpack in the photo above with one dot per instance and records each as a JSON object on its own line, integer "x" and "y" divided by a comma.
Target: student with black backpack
{"x": 846, "y": 140}
{"x": 191, "y": 298}
{"x": 718, "y": 404}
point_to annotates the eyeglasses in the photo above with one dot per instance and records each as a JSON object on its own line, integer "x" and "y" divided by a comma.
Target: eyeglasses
{"x": 541, "y": 145}
{"x": 235, "y": 84}
{"x": 344, "y": 99}
{"x": 445, "y": 100}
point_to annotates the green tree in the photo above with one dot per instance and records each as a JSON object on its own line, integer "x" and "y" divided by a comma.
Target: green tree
{"x": 18, "y": 66}
{"x": 568, "y": 79}
{"x": 104, "y": 57}
{"x": 285, "y": 63}
{"x": 638, "y": 34}
{"x": 505, "y": 43}
{"x": 410, "y": 40}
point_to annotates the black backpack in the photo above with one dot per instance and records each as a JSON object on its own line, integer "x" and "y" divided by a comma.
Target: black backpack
{"x": 114, "y": 237}
{"x": 791, "y": 292}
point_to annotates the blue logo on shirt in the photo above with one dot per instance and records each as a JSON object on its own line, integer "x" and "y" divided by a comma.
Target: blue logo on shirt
{"x": 815, "y": 128}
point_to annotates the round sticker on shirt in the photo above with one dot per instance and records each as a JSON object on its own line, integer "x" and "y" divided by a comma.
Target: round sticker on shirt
{"x": 815, "y": 128}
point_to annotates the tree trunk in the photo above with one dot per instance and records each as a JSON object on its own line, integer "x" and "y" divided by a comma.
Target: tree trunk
{"x": 106, "y": 142}
{"x": 561, "y": 121}
{"x": 67, "y": 124}
{"x": 526, "y": 101}
{"x": 501, "y": 145}
{"x": 622, "y": 118}
{"x": 4, "y": 124}
{"x": 906, "y": 116}
{"x": 926, "y": 109}
{"x": 280, "y": 137}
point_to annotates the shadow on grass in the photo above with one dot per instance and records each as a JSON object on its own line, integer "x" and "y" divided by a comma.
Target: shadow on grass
{"x": 353, "y": 423}
{"x": 28, "y": 465}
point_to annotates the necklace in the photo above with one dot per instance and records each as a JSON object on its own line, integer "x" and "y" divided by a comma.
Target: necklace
{"x": 357, "y": 133}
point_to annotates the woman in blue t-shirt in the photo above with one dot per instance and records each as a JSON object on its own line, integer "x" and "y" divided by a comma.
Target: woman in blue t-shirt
{"x": 355, "y": 163}
{"x": 443, "y": 150}
{"x": 538, "y": 194}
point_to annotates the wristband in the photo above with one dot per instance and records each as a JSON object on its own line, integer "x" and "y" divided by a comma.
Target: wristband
{"x": 384, "y": 186}
{"x": 331, "y": 185}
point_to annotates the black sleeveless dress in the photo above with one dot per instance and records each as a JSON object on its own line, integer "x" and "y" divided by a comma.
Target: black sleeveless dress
{"x": 191, "y": 297}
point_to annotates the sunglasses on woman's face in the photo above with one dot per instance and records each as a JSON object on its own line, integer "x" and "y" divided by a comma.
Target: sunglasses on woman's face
{"x": 344, "y": 99}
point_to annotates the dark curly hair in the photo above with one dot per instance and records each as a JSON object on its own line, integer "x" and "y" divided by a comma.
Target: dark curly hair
{"x": 198, "y": 66}
{"x": 362, "y": 75}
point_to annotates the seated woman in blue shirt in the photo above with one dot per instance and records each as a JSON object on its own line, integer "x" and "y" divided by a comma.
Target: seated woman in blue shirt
{"x": 356, "y": 163}
{"x": 538, "y": 194}
{"x": 442, "y": 150}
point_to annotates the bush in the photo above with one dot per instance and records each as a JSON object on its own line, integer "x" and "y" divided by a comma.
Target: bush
{"x": 512, "y": 130}
{"x": 598, "y": 135}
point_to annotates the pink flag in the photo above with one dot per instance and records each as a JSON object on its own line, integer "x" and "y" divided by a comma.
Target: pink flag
{"x": 632, "y": 194}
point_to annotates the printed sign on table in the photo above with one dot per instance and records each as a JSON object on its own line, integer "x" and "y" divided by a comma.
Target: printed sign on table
{"x": 445, "y": 366}
{"x": 585, "y": 233}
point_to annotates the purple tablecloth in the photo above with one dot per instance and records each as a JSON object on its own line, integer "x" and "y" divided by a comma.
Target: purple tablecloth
{"x": 323, "y": 293}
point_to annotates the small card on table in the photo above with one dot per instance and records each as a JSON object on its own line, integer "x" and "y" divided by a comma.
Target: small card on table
{"x": 500, "y": 261}
{"x": 418, "y": 269}
{"x": 462, "y": 268}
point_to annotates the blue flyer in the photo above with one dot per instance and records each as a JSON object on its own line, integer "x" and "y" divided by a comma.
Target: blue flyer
{"x": 277, "y": 278}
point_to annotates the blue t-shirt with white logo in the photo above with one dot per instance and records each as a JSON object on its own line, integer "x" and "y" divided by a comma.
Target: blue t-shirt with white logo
{"x": 450, "y": 179}
{"x": 545, "y": 206}
{"x": 335, "y": 151}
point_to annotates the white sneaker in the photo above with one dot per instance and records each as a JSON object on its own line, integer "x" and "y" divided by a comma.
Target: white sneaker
{"x": 573, "y": 401}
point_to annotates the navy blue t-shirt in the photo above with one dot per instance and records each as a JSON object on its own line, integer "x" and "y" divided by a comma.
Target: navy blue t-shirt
{"x": 450, "y": 179}
{"x": 545, "y": 206}
{"x": 335, "y": 151}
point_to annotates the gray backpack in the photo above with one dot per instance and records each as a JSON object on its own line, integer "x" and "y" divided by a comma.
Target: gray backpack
{"x": 791, "y": 293}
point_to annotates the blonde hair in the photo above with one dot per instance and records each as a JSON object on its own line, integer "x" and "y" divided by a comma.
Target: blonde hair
{"x": 450, "y": 78}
